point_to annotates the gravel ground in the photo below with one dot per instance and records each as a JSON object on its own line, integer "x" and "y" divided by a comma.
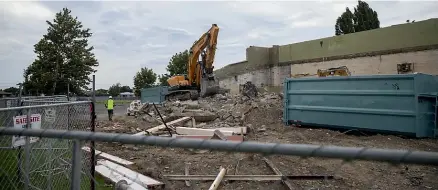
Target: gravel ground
{"x": 266, "y": 126}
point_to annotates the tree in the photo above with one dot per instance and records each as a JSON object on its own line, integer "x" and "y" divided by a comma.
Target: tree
{"x": 145, "y": 78}
{"x": 364, "y": 18}
{"x": 12, "y": 90}
{"x": 114, "y": 90}
{"x": 125, "y": 89}
{"x": 63, "y": 57}
{"x": 178, "y": 63}
{"x": 101, "y": 92}
{"x": 344, "y": 23}
{"x": 177, "y": 66}
{"x": 163, "y": 79}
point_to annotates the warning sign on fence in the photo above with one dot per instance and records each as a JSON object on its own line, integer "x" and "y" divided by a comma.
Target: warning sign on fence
{"x": 21, "y": 122}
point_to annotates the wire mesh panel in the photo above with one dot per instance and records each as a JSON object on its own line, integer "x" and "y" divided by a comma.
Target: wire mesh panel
{"x": 42, "y": 163}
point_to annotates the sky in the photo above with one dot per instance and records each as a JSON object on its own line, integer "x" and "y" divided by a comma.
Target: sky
{"x": 130, "y": 35}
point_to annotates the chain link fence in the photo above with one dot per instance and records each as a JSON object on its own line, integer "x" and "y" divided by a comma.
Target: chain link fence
{"x": 128, "y": 180}
{"x": 42, "y": 163}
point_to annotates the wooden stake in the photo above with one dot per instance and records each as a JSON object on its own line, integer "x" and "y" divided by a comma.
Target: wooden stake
{"x": 218, "y": 179}
{"x": 186, "y": 172}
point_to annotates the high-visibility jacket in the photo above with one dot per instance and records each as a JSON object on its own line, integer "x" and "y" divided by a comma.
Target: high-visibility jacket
{"x": 110, "y": 104}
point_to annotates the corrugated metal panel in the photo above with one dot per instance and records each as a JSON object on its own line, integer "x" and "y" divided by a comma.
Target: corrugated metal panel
{"x": 154, "y": 94}
{"x": 393, "y": 103}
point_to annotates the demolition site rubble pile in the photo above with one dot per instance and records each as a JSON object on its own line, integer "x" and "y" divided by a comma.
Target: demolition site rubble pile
{"x": 250, "y": 116}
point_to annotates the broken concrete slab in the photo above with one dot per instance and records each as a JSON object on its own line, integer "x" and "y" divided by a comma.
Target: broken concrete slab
{"x": 193, "y": 110}
{"x": 190, "y": 104}
{"x": 205, "y": 116}
{"x": 198, "y": 131}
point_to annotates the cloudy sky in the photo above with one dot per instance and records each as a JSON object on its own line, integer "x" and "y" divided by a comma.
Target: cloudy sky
{"x": 131, "y": 35}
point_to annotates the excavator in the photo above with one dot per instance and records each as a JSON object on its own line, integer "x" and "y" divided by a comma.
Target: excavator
{"x": 338, "y": 71}
{"x": 200, "y": 80}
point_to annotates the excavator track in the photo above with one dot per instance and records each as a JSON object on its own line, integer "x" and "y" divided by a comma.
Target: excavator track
{"x": 182, "y": 95}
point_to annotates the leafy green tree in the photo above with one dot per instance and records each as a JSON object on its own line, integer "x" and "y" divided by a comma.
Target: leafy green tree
{"x": 364, "y": 18}
{"x": 125, "y": 89}
{"x": 12, "y": 90}
{"x": 177, "y": 66}
{"x": 63, "y": 57}
{"x": 145, "y": 78}
{"x": 178, "y": 63}
{"x": 344, "y": 23}
{"x": 114, "y": 90}
{"x": 163, "y": 79}
{"x": 101, "y": 92}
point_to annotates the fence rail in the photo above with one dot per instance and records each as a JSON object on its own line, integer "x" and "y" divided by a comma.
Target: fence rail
{"x": 303, "y": 150}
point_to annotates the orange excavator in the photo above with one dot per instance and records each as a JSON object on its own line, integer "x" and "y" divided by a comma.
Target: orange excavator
{"x": 200, "y": 80}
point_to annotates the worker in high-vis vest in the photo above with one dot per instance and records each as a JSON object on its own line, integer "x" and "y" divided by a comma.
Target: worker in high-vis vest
{"x": 110, "y": 106}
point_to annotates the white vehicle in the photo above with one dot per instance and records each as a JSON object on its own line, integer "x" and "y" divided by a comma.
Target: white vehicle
{"x": 134, "y": 107}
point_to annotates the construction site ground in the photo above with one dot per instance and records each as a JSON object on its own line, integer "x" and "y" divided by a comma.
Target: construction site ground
{"x": 265, "y": 123}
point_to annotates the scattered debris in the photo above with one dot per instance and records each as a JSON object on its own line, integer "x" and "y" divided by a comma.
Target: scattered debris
{"x": 249, "y": 90}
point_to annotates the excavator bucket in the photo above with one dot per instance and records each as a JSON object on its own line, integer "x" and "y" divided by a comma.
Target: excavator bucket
{"x": 209, "y": 87}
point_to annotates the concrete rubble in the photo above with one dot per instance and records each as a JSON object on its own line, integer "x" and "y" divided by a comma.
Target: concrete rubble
{"x": 219, "y": 111}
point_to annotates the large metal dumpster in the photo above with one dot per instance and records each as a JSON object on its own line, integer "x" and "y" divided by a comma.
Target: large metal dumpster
{"x": 154, "y": 94}
{"x": 405, "y": 104}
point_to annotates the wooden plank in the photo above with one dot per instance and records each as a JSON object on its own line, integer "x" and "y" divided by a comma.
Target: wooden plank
{"x": 109, "y": 156}
{"x": 226, "y": 177}
{"x": 238, "y": 138}
{"x": 248, "y": 177}
{"x": 116, "y": 177}
{"x": 198, "y": 131}
{"x": 236, "y": 130}
{"x": 218, "y": 179}
{"x": 286, "y": 182}
{"x": 186, "y": 172}
{"x": 141, "y": 179}
{"x": 162, "y": 126}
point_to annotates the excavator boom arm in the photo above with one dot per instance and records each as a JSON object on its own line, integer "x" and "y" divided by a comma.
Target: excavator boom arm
{"x": 207, "y": 41}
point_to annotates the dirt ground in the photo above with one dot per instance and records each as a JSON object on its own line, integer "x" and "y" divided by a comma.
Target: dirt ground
{"x": 266, "y": 126}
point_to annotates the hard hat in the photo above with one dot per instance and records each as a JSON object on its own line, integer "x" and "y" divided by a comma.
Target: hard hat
{"x": 110, "y": 97}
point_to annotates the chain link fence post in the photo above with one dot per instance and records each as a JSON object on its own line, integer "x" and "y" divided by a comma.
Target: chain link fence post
{"x": 93, "y": 128}
{"x": 27, "y": 155}
{"x": 76, "y": 166}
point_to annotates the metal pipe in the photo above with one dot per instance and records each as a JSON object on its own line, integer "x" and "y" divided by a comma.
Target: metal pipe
{"x": 303, "y": 150}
